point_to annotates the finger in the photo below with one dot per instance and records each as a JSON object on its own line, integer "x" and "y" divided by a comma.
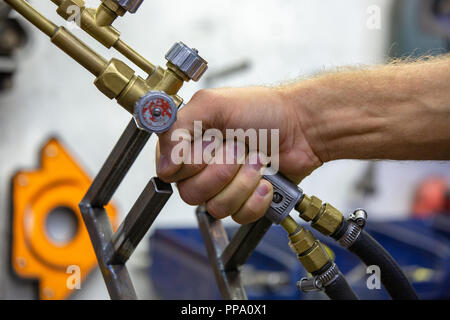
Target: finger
{"x": 235, "y": 194}
{"x": 172, "y": 171}
{"x": 256, "y": 206}
{"x": 210, "y": 181}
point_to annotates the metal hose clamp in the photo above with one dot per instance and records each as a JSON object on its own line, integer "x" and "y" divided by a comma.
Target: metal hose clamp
{"x": 320, "y": 281}
{"x": 357, "y": 221}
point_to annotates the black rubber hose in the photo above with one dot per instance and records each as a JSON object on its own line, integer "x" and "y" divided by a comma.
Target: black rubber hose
{"x": 339, "y": 289}
{"x": 392, "y": 277}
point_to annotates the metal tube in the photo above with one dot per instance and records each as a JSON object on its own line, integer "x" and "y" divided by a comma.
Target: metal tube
{"x": 290, "y": 225}
{"x": 243, "y": 243}
{"x": 138, "y": 220}
{"x": 79, "y": 51}
{"x": 32, "y": 15}
{"x": 134, "y": 56}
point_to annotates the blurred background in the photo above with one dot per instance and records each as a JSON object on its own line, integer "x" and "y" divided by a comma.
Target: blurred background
{"x": 44, "y": 94}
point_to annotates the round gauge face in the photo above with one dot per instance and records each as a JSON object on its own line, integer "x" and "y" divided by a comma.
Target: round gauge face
{"x": 155, "y": 112}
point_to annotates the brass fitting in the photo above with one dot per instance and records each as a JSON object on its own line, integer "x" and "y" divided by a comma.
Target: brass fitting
{"x": 107, "y": 12}
{"x": 328, "y": 220}
{"x": 302, "y": 241}
{"x": 97, "y": 23}
{"x": 325, "y": 218}
{"x": 114, "y": 78}
{"x": 315, "y": 259}
{"x": 310, "y": 252}
{"x": 309, "y": 208}
{"x": 106, "y": 35}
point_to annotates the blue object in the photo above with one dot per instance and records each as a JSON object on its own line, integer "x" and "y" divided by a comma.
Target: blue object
{"x": 180, "y": 267}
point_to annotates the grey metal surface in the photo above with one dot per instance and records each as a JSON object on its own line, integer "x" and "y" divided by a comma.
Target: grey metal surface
{"x": 96, "y": 219}
{"x": 244, "y": 243}
{"x": 187, "y": 60}
{"x": 216, "y": 240}
{"x": 139, "y": 220}
{"x": 285, "y": 197}
{"x": 131, "y": 5}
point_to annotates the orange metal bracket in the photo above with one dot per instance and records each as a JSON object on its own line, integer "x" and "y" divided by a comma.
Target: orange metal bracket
{"x": 60, "y": 182}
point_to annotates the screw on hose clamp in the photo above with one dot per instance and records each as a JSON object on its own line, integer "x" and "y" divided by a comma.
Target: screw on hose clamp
{"x": 357, "y": 220}
{"x": 319, "y": 282}
{"x": 359, "y": 216}
{"x": 309, "y": 285}
{"x": 155, "y": 112}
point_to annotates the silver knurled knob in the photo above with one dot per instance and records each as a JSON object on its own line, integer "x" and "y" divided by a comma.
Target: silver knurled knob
{"x": 130, "y": 5}
{"x": 187, "y": 60}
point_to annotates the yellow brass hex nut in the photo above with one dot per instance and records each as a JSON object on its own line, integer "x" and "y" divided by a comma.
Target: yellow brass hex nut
{"x": 302, "y": 241}
{"x": 315, "y": 259}
{"x": 114, "y": 78}
{"x": 66, "y": 8}
{"x": 310, "y": 209}
{"x": 329, "y": 220}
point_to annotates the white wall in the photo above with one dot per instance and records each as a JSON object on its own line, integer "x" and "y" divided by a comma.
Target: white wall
{"x": 283, "y": 39}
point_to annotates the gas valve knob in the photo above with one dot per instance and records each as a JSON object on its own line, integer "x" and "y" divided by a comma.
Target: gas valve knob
{"x": 155, "y": 112}
{"x": 130, "y": 5}
{"x": 187, "y": 60}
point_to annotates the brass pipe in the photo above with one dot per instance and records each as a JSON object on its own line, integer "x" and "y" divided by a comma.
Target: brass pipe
{"x": 79, "y": 51}
{"x": 95, "y": 23}
{"x": 32, "y": 15}
{"x": 134, "y": 57}
{"x": 290, "y": 225}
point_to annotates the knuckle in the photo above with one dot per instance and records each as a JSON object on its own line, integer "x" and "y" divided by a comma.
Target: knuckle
{"x": 188, "y": 194}
{"x": 216, "y": 209}
{"x": 209, "y": 97}
{"x": 246, "y": 183}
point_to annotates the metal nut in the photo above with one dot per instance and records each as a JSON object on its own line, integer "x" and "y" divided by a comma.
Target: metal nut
{"x": 315, "y": 259}
{"x": 329, "y": 220}
{"x": 114, "y": 78}
{"x": 302, "y": 241}
{"x": 311, "y": 208}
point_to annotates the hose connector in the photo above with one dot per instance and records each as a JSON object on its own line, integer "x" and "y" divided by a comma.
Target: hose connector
{"x": 324, "y": 217}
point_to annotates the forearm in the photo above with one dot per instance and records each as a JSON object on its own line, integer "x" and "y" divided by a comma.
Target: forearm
{"x": 399, "y": 111}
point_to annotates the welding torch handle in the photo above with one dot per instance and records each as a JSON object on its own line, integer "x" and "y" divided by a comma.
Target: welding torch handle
{"x": 286, "y": 195}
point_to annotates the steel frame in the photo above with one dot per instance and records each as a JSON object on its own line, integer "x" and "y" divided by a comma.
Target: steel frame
{"x": 113, "y": 249}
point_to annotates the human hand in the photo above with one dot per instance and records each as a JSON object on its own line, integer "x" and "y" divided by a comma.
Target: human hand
{"x": 237, "y": 189}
